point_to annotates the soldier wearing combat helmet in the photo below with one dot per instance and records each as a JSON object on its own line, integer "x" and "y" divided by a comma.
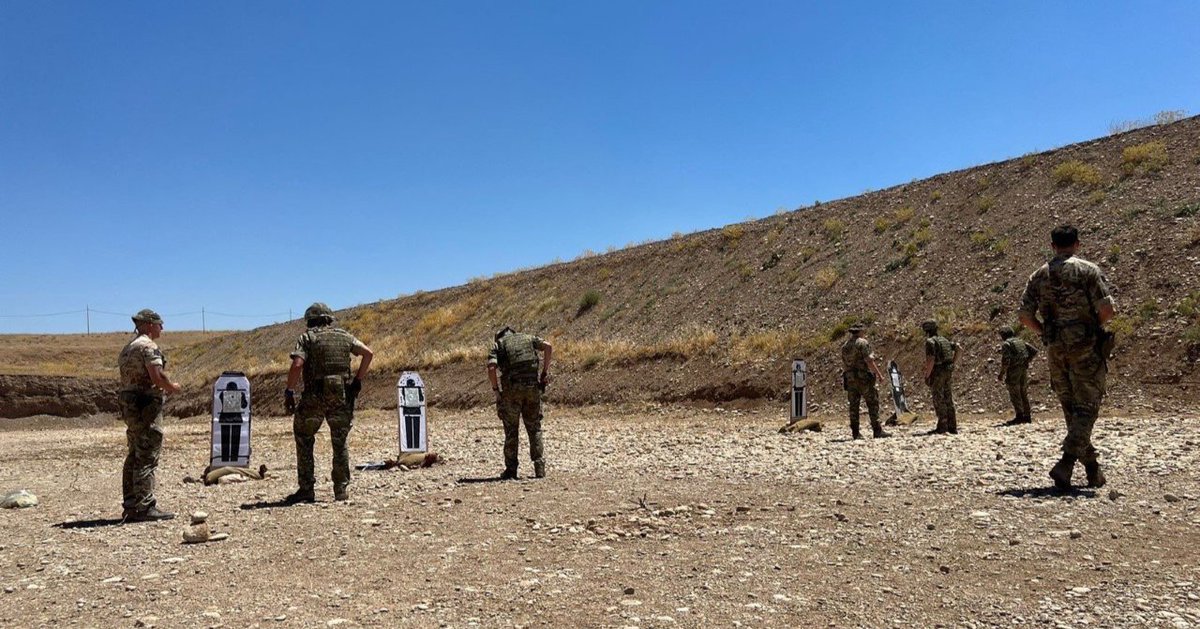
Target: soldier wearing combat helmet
{"x": 859, "y": 375}
{"x": 518, "y": 390}
{"x": 1015, "y": 355}
{"x": 1067, "y": 302}
{"x": 940, "y": 354}
{"x": 143, "y": 383}
{"x": 322, "y": 360}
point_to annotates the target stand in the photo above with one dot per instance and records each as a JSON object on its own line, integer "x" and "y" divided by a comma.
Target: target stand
{"x": 413, "y": 424}
{"x": 231, "y": 421}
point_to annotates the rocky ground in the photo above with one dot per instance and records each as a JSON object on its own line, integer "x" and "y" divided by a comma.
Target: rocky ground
{"x": 651, "y": 517}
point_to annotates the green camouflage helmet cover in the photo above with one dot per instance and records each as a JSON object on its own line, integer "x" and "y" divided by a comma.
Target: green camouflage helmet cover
{"x": 146, "y": 315}
{"x": 318, "y": 310}
{"x": 929, "y": 326}
{"x": 1007, "y": 332}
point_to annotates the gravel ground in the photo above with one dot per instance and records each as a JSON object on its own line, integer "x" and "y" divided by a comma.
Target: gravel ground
{"x": 650, "y": 517}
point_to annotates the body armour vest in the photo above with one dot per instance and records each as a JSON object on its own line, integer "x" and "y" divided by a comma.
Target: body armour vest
{"x": 517, "y": 357}
{"x": 328, "y": 354}
{"x": 943, "y": 353}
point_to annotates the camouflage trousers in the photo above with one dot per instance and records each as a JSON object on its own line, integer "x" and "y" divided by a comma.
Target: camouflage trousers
{"x": 860, "y": 387}
{"x": 943, "y": 398}
{"x": 1018, "y": 393}
{"x": 328, "y": 405}
{"x": 1078, "y": 377}
{"x": 517, "y": 402}
{"x": 142, "y": 414}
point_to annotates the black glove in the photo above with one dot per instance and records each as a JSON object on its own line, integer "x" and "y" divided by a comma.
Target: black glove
{"x": 352, "y": 391}
{"x": 289, "y": 400}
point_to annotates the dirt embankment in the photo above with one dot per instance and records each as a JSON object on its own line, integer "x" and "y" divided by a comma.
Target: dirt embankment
{"x": 64, "y": 396}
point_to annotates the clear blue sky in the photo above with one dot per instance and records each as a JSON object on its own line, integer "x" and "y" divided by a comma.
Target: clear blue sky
{"x": 252, "y": 157}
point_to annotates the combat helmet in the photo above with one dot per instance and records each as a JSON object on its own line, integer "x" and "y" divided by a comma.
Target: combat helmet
{"x": 857, "y": 328}
{"x": 146, "y": 315}
{"x": 502, "y": 331}
{"x": 318, "y": 313}
{"x": 929, "y": 326}
{"x": 1007, "y": 332}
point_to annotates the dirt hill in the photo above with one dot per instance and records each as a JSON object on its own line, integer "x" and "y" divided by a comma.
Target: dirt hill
{"x": 716, "y": 316}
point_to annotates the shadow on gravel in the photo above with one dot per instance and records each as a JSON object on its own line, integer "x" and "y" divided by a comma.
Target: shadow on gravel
{"x": 1048, "y": 492}
{"x": 489, "y": 479}
{"x": 268, "y": 504}
{"x": 89, "y": 524}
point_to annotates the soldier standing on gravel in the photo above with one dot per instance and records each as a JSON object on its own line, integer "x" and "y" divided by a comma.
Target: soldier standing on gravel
{"x": 940, "y": 355}
{"x": 322, "y": 357}
{"x": 1071, "y": 295}
{"x": 859, "y": 375}
{"x": 143, "y": 382}
{"x": 518, "y": 392}
{"x": 1015, "y": 356}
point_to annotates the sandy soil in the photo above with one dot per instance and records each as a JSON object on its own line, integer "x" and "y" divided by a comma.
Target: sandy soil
{"x": 650, "y": 517}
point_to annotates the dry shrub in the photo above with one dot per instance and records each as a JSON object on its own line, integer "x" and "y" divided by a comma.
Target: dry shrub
{"x": 1096, "y": 197}
{"x": 1193, "y": 237}
{"x": 766, "y": 344}
{"x": 905, "y": 214}
{"x": 1075, "y": 172}
{"x": 1142, "y": 159}
{"x": 731, "y": 234}
{"x": 834, "y": 228}
{"x": 882, "y": 224}
{"x": 826, "y": 278}
{"x": 689, "y": 342}
{"x": 985, "y": 203}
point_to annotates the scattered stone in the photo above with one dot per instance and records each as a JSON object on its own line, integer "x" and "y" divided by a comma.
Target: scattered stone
{"x": 1171, "y": 497}
{"x": 199, "y": 517}
{"x": 196, "y": 534}
{"x": 20, "y": 499}
{"x": 628, "y": 591}
{"x": 1076, "y": 534}
{"x": 1113, "y": 494}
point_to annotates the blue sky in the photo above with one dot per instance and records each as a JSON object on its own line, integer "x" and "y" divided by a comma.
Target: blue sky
{"x": 250, "y": 158}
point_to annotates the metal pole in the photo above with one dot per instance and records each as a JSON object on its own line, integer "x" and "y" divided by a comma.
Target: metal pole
{"x": 88, "y": 317}
{"x": 203, "y": 322}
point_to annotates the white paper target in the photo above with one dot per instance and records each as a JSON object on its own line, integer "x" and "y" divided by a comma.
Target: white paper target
{"x": 231, "y": 421}
{"x": 413, "y": 426}
{"x": 897, "y": 388}
{"x": 799, "y": 390}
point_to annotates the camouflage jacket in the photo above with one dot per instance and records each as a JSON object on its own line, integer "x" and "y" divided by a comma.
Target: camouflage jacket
{"x": 1015, "y": 356}
{"x": 1067, "y": 293}
{"x": 134, "y": 362}
{"x": 855, "y": 353}
{"x": 326, "y": 352}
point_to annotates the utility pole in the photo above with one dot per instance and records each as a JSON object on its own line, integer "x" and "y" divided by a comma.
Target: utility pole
{"x": 88, "y": 317}
{"x": 289, "y": 314}
{"x": 203, "y": 323}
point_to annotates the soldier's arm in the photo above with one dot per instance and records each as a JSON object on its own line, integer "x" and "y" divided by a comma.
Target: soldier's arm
{"x": 294, "y": 372}
{"x": 874, "y": 368}
{"x": 366, "y": 355}
{"x": 492, "y": 377}
{"x": 160, "y": 379}
{"x": 547, "y": 351}
{"x": 928, "y": 366}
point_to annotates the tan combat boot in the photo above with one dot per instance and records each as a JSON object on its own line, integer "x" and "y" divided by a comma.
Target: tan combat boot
{"x": 1061, "y": 472}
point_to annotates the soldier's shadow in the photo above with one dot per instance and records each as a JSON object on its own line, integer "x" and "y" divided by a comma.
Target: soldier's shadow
{"x": 267, "y": 504}
{"x": 1047, "y": 492}
{"x": 487, "y": 479}
{"x": 89, "y": 524}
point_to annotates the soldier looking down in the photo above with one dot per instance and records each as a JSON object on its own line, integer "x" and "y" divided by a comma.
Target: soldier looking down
{"x": 940, "y": 354}
{"x": 518, "y": 392}
{"x": 1015, "y": 356}
{"x": 143, "y": 382}
{"x": 859, "y": 377}
{"x": 322, "y": 359}
{"x": 1067, "y": 302}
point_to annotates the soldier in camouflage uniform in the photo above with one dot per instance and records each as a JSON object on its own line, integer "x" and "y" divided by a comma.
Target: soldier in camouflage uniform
{"x": 1015, "y": 356}
{"x": 322, "y": 359}
{"x": 1067, "y": 302}
{"x": 143, "y": 382}
{"x": 859, "y": 375}
{"x": 518, "y": 392}
{"x": 940, "y": 354}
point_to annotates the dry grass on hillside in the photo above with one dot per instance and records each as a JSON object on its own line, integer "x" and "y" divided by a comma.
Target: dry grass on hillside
{"x": 80, "y": 355}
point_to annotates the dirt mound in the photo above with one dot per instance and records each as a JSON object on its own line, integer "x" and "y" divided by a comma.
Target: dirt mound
{"x": 62, "y": 396}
